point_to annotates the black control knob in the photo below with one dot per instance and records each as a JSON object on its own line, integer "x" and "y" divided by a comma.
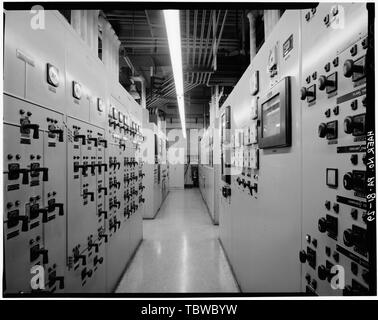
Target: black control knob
{"x": 349, "y": 237}
{"x": 350, "y": 125}
{"x": 348, "y": 181}
{"x": 306, "y": 93}
{"x": 302, "y": 256}
{"x": 322, "y": 225}
{"x": 82, "y": 137}
{"x": 350, "y": 67}
{"x": 322, "y": 130}
{"x": 323, "y": 272}
{"x": 324, "y": 82}
{"x": 53, "y": 279}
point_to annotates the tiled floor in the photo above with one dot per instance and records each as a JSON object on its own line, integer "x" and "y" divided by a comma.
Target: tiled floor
{"x": 180, "y": 251}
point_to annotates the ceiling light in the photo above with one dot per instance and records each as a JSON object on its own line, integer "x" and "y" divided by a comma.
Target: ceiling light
{"x": 172, "y": 25}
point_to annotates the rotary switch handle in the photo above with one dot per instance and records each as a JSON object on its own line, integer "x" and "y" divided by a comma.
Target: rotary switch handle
{"x": 53, "y": 279}
{"x": 350, "y": 67}
{"x": 24, "y": 172}
{"x": 324, "y": 82}
{"x": 81, "y": 257}
{"x": 82, "y": 137}
{"x": 95, "y": 245}
{"x": 94, "y": 140}
{"x": 25, "y": 222}
{"x": 45, "y": 173}
{"x": 45, "y": 255}
{"x": 104, "y": 142}
{"x": 103, "y": 189}
{"x": 104, "y": 213}
{"x": 91, "y": 194}
{"x": 44, "y": 211}
{"x": 59, "y": 132}
{"x": 31, "y": 126}
{"x": 60, "y": 206}
{"x": 103, "y": 235}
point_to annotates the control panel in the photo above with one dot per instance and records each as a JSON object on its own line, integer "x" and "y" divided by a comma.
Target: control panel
{"x": 73, "y": 178}
{"x": 334, "y": 255}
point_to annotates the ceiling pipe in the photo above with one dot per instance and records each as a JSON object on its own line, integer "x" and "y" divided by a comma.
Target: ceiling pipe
{"x": 143, "y": 90}
{"x": 252, "y": 16}
{"x": 271, "y": 18}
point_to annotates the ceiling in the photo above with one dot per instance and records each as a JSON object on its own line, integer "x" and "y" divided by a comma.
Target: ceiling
{"x": 215, "y": 47}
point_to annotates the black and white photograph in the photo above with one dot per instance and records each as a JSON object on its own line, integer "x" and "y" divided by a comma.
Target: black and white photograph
{"x": 188, "y": 150}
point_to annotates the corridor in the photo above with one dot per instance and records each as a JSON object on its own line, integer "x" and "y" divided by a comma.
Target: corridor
{"x": 180, "y": 251}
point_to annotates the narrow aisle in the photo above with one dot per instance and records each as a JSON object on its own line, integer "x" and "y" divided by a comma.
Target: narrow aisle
{"x": 180, "y": 251}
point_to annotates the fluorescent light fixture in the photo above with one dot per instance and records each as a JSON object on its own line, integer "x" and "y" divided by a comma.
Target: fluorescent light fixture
{"x": 172, "y": 25}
